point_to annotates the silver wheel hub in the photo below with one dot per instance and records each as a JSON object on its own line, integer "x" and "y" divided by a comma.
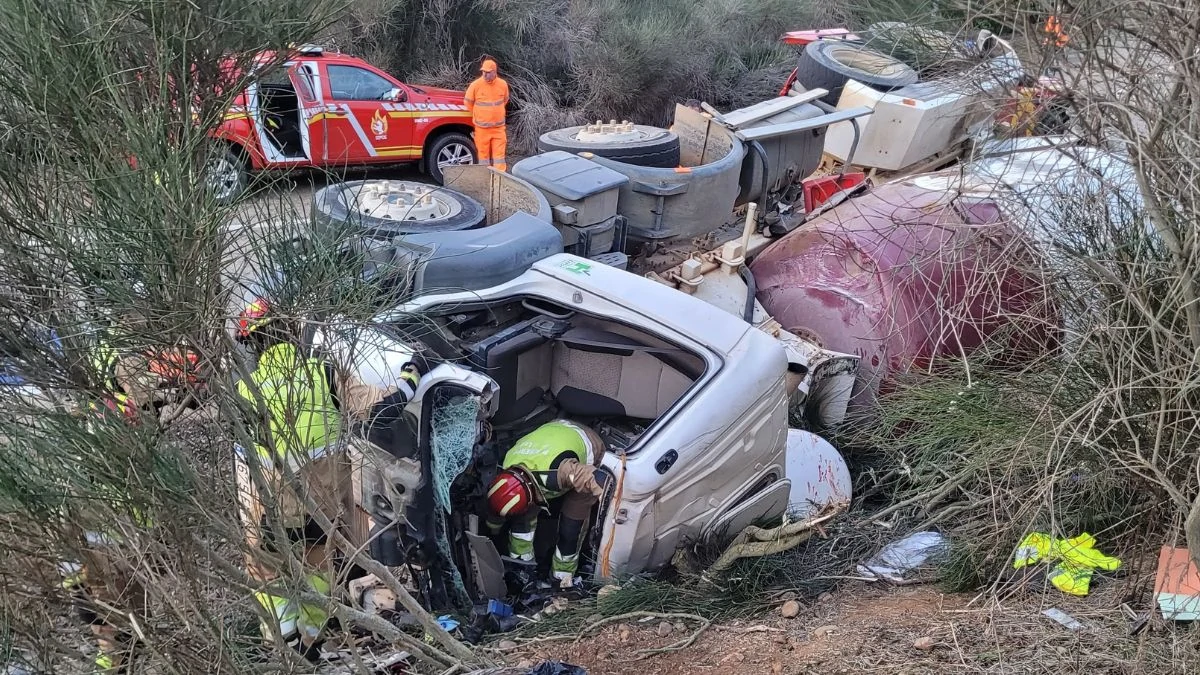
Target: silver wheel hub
{"x": 404, "y": 200}
{"x": 611, "y": 132}
{"x": 454, "y": 153}
{"x": 223, "y": 176}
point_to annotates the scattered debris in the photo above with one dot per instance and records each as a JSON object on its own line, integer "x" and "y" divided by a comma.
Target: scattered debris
{"x": 1073, "y": 560}
{"x": 1137, "y": 622}
{"x": 507, "y": 645}
{"x": 825, "y": 631}
{"x": 623, "y": 632}
{"x": 825, "y": 598}
{"x": 681, "y": 627}
{"x": 1063, "y": 618}
{"x": 607, "y": 590}
{"x": 790, "y": 609}
{"x": 899, "y": 558}
{"x": 556, "y": 668}
{"x": 925, "y": 643}
{"x": 1177, "y": 585}
{"x": 664, "y": 629}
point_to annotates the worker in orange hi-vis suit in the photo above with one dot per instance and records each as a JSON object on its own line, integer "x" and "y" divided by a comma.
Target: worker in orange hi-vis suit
{"x": 486, "y": 98}
{"x": 1055, "y": 33}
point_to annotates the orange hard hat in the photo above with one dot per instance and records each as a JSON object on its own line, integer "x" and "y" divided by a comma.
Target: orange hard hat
{"x": 510, "y": 494}
{"x": 488, "y": 66}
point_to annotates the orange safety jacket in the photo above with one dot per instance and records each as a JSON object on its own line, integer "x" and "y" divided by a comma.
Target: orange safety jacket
{"x": 486, "y": 101}
{"x": 1054, "y": 29}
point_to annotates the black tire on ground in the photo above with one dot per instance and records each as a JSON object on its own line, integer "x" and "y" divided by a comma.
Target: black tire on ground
{"x": 449, "y": 148}
{"x": 827, "y": 64}
{"x": 227, "y": 174}
{"x": 657, "y": 147}
{"x": 333, "y": 208}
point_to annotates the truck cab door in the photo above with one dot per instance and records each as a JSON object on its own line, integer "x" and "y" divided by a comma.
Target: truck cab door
{"x": 306, "y": 79}
{"x": 369, "y": 125}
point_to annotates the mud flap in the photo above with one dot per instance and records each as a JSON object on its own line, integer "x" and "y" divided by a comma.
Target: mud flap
{"x": 489, "y": 568}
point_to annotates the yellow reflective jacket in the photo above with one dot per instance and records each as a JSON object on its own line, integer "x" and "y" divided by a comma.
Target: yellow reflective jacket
{"x": 543, "y": 449}
{"x": 299, "y": 401}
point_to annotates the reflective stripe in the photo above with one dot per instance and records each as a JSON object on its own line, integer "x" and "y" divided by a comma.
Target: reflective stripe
{"x": 469, "y": 101}
{"x": 489, "y": 125}
{"x": 523, "y": 536}
{"x": 489, "y": 103}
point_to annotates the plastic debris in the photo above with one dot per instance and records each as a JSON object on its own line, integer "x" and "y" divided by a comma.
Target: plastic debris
{"x": 448, "y": 624}
{"x": 556, "y": 668}
{"x": 500, "y": 609}
{"x": 1177, "y": 585}
{"x": 898, "y": 558}
{"x": 1066, "y": 620}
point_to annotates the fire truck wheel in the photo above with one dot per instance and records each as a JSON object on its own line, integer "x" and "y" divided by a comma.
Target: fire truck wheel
{"x": 829, "y": 64}
{"x": 448, "y": 149}
{"x": 227, "y": 174}
{"x": 624, "y": 142}
{"x": 386, "y": 208}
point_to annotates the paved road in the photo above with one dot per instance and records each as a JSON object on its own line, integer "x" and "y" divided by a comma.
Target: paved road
{"x": 279, "y": 208}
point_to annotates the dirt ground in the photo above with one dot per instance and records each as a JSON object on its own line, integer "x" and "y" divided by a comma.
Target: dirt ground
{"x": 867, "y": 628}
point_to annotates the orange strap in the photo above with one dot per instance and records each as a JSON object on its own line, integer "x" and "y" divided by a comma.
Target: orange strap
{"x": 605, "y": 567}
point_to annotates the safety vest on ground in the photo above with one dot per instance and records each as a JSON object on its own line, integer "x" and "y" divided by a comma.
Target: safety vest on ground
{"x": 298, "y": 398}
{"x": 486, "y": 101}
{"x": 545, "y": 448}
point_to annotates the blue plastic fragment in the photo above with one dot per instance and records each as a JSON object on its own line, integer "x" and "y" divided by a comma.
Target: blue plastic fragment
{"x": 447, "y": 623}
{"x": 499, "y": 608}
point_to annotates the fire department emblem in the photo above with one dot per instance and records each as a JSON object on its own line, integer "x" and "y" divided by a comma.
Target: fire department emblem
{"x": 379, "y": 125}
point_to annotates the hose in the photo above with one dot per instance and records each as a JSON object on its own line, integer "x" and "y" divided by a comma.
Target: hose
{"x": 751, "y": 292}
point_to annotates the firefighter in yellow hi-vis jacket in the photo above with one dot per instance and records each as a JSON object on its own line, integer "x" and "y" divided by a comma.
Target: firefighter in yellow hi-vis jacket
{"x": 299, "y": 405}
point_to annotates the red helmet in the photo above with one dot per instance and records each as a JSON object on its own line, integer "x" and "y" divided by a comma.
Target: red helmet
{"x": 510, "y": 493}
{"x": 253, "y": 317}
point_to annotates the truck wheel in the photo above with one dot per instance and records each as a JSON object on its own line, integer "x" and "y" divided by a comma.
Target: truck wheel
{"x": 826, "y": 64}
{"x": 628, "y": 143}
{"x": 448, "y": 149}
{"x": 226, "y": 174}
{"x": 386, "y": 208}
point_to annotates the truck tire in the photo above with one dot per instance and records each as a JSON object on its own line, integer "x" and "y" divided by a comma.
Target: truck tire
{"x": 226, "y": 174}
{"x": 636, "y": 144}
{"x": 827, "y": 64}
{"x": 449, "y": 148}
{"x": 387, "y": 208}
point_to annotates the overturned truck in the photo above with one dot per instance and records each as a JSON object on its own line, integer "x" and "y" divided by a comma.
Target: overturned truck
{"x": 618, "y": 294}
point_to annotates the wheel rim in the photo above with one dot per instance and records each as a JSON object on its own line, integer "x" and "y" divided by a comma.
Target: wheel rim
{"x": 453, "y": 154}
{"x": 403, "y": 201}
{"x": 613, "y": 132}
{"x": 869, "y": 62}
{"x": 223, "y": 177}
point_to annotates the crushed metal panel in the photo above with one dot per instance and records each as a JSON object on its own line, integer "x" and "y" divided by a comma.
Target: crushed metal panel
{"x": 701, "y": 140}
{"x": 489, "y": 568}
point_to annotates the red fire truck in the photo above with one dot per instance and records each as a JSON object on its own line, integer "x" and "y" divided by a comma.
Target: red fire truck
{"x": 325, "y": 109}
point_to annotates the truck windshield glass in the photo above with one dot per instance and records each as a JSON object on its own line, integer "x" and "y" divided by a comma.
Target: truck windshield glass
{"x": 348, "y": 83}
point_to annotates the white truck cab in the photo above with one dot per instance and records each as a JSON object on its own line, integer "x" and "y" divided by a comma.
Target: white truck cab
{"x": 691, "y": 400}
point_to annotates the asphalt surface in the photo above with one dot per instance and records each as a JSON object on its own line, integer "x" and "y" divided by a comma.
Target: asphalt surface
{"x": 278, "y": 206}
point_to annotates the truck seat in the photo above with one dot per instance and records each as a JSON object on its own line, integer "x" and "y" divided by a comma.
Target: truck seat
{"x": 597, "y": 373}
{"x": 521, "y": 368}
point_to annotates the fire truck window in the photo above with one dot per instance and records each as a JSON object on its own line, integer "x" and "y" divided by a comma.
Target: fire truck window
{"x": 348, "y": 83}
{"x": 305, "y": 82}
